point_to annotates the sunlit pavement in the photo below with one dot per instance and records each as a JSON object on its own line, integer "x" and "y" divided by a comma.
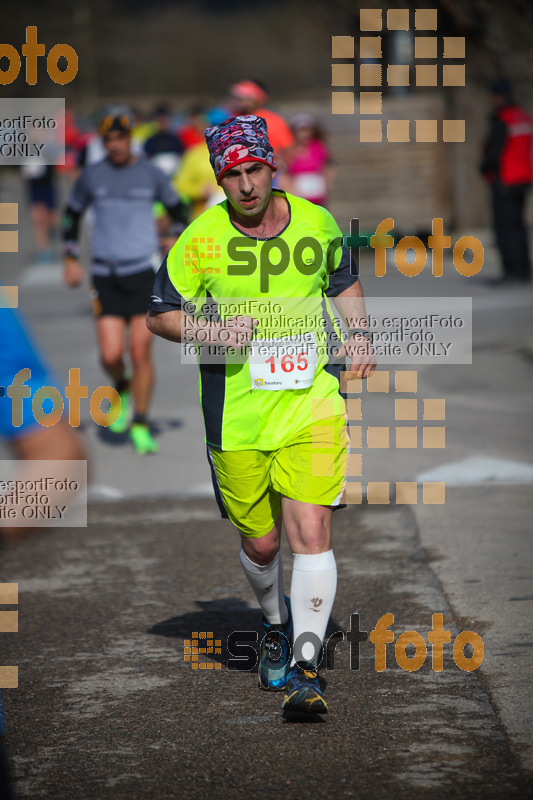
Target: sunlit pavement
{"x": 107, "y": 707}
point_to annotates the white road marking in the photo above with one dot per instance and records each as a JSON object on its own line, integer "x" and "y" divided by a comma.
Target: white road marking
{"x": 100, "y": 492}
{"x": 42, "y": 275}
{"x": 479, "y": 470}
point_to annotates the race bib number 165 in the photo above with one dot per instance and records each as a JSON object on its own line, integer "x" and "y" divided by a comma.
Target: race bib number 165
{"x": 285, "y": 363}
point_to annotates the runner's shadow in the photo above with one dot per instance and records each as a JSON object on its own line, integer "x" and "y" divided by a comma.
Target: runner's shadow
{"x": 161, "y": 425}
{"x": 157, "y": 428}
{"x": 221, "y": 618}
{"x": 113, "y": 439}
{"x": 302, "y": 718}
{"x": 225, "y": 618}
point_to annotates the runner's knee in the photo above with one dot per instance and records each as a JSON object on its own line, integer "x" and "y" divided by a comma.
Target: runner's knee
{"x": 262, "y": 550}
{"x": 140, "y": 353}
{"x": 309, "y": 529}
{"x": 111, "y": 358}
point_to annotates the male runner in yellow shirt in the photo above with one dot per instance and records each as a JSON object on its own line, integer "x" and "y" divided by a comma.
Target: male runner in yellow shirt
{"x": 273, "y": 401}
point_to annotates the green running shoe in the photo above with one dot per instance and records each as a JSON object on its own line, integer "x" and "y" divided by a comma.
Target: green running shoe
{"x": 302, "y": 690}
{"x": 122, "y": 423}
{"x": 142, "y": 439}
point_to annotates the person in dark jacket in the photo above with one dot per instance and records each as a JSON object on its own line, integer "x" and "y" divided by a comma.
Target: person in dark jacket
{"x": 508, "y": 169}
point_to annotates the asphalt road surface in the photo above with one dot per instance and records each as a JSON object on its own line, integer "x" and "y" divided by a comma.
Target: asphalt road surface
{"x": 108, "y": 707}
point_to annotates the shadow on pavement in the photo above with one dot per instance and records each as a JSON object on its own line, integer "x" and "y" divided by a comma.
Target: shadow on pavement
{"x": 157, "y": 427}
{"x": 222, "y": 618}
{"x": 113, "y": 439}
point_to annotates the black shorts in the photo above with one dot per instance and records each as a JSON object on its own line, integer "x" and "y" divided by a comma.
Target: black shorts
{"x": 43, "y": 193}
{"x": 122, "y": 296}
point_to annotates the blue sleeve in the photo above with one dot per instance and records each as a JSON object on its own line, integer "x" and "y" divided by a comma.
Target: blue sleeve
{"x": 18, "y": 352}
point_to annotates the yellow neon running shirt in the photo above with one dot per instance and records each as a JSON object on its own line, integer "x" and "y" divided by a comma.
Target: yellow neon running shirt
{"x": 198, "y": 269}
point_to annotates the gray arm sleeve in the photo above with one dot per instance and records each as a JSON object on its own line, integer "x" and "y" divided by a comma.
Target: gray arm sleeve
{"x": 81, "y": 195}
{"x": 164, "y": 191}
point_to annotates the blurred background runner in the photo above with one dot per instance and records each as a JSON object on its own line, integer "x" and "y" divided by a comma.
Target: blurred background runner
{"x": 249, "y": 97}
{"x": 122, "y": 190}
{"x": 310, "y": 167}
{"x": 27, "y": 440}
{"x": 42, "y": 200}
{"x": 507, "y": 166}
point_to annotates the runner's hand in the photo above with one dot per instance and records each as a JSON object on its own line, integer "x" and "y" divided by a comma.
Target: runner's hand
{"x": 234, "y": 332}
{"x": 360, "y": 350}
{"x": 73, "y": 273}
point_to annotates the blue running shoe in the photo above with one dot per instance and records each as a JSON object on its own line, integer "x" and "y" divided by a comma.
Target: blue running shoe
{"x": 302, "y": 691}
{"x": 275, "y": 655}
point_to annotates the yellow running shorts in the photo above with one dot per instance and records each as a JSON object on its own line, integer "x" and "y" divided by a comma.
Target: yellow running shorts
{"x": 311, "y": 467}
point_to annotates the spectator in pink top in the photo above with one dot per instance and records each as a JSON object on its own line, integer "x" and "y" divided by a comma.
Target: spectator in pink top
{"x": 310, "y": 168}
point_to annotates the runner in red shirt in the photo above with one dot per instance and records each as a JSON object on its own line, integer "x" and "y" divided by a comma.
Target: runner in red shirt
{"x": 249, "y": 97}
{"x": 507, "y": 167}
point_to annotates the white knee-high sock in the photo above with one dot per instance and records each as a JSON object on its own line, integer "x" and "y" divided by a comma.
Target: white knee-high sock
{"x": 267, "y": 584}
{"x": 314, "y": 583}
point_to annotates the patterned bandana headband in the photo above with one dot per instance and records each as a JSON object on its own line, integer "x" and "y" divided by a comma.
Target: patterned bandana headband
{"x": 237, "y": 140}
